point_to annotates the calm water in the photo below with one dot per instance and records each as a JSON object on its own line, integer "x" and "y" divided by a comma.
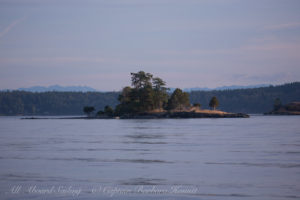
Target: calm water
{"x": 255, "y": 158}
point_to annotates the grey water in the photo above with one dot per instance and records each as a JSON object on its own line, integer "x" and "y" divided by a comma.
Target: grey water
{"x": 251, "y": 158}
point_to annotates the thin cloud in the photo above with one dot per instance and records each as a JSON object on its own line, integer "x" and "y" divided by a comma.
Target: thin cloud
{"x": 10, "y": 26}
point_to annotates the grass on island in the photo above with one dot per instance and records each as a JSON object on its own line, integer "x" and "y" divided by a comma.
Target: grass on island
{"x": 192, "y": 109}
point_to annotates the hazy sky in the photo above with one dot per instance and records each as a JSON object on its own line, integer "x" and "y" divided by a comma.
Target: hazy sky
{"x": 188, "y": 43}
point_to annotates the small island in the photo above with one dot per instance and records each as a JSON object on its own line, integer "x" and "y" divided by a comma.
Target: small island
{"x": 149, "y": 98}
{"x": 292, "y": 108}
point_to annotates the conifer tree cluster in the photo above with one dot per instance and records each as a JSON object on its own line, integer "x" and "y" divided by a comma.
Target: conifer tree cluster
{"x": 149, "y": 93}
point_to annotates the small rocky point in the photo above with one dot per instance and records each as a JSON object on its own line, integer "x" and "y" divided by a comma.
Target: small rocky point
{"x": 288, "y": 109}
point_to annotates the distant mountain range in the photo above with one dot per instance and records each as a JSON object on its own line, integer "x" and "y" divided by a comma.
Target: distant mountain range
{"x": 232, "y": 87}
{"x": 90, "y": 89}
{"x": 59, "y": 89}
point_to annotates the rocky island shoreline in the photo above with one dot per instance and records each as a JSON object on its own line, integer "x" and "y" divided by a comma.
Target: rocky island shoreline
{"x": 162, "y": 115}
{"x": 292, "y": 108}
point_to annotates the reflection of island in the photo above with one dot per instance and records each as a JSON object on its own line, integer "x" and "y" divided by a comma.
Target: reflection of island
{"x": 288, "y": 109}
{"x": 149, "y": 98}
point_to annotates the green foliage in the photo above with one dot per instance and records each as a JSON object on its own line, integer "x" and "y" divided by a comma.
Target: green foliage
{"x": 147, "y": 94}
{"x": 141, "y": 79}
{"x": 178, "y": 100}
{"x": 100, "y": 112}
{"x": 160, "y": 93}
{"x": 214, "y": 103}
{"x": 88, "y": 110}
{"x": 158, "y": 83}
{"x": 108, "y": 111}
{"x": 145, "y": 97}
{"x": 125, "y": 96}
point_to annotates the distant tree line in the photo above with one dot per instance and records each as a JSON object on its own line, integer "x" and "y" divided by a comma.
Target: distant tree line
{"x": 53, "y": 103}
{"x": 258, "y": 100}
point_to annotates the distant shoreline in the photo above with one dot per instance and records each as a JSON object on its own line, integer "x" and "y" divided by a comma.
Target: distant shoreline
{"x": 292, "y": 108}
{"x": 275, "y": 113}
{"x": 20, "y": 103}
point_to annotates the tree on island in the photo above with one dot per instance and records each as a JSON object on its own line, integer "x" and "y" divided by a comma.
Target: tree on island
{"x": 108, "y": 111}
{"x": 147, "y": 94}
{"x": 179, "y": 100}
{"x": 197, "y": 105}
{"x": 214, "y": 103}
{"x": 141, "y": 79}
{"x": 100, "y": 112}
{"x": 88, "y": 110}
{"x": 126, "y": 105}
{"x": 160, "y": 93}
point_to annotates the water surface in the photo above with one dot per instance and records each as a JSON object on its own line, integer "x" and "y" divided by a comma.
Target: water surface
{"x": 255, "y": 158}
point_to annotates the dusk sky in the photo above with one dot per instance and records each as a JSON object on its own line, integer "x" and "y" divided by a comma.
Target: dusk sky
{"x": 188, "y": 43}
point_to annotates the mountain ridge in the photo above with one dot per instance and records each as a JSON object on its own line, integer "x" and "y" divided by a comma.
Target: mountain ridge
{"x": 231, "y": 87}
{"x": 59, "y": 88}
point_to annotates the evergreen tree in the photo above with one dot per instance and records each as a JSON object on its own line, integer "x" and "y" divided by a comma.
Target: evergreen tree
{"x": 146, "y": 102}
{"x": 214, "y": 103}
{"x": 178, "y": 100}
{"x": 148, "y": 93}
{"x": 141, "y": 79}
{"x": 88, "y": 110}
{"x": 124, "y": 97}
{"x": 160, "y": 94}
{"x": 100, "y": 112}
{"x": 108, "y": 111}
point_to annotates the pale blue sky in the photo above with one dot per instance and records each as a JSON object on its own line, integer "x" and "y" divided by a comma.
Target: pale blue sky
{"x": 188, "y": 43}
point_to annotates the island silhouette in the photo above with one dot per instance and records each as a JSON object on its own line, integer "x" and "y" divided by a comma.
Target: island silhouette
{"x": 150, "y": 98}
